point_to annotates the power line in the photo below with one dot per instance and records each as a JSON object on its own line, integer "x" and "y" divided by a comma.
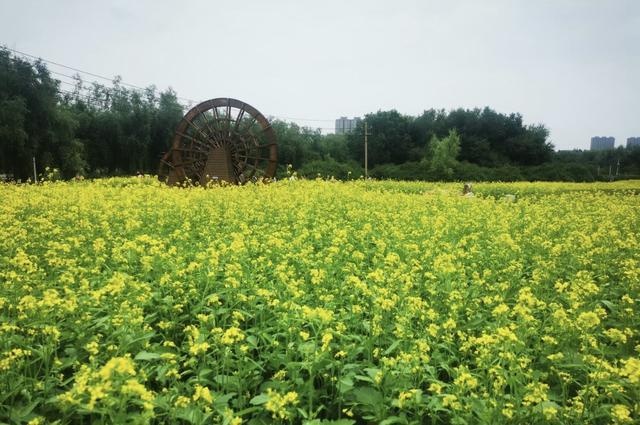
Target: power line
{"x": 89, "y": 98}
{"x": 82, "y": 90}
{"x": 190, "y": 101}
{"x": 97, "y": 102}
{"x": 83, "y": 85}
{"x": 73, "y": 69}
{"x": 71, "y": 84}
{"x": 64, "y": 75}
{"x": 86, "y": 93}
{"x": 84, "y": 98}
{"x": 87, "y": 88}
{"x": 301, "y": 119}
{"x": 92, "y": 99}
{"x": 86, "y": 72}
{"x": 76, "y": 81}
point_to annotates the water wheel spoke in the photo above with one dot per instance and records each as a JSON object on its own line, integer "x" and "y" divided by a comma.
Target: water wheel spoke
{"x": 241, "y": 149}
{"x": 249, "y": 126}
{"x": 228, "y": 116}
{"x": 239, "y": 119}
{"x": 237, "y": 168}
{"x": 251, "y": 166}
{"x": 198, "y": 175}
{"x": 190, "y": 150}
{"x": 198, "y": 129}
{"x": 257, "y": 158}
{"x": 258, "y": 147}
{"x": 200, "y": 143}
{"x": 208, "y": 122}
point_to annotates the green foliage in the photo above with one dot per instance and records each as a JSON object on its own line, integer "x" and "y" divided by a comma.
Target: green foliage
{"x": 623, "y": 163}
{"x": 28, "y": 97}
{"x": 295, "y": 144}
{"x": 443, "y": 154}
{"x": 560, "y": 172}
{"x": 335, "y": 146}
{"x": 484, "y": 137}
{"x": 311, "y": 153}
{"x": 390, "y": 141}
{"x": 407, "y": 171}
{"x": 125, "y": 131}
{"x": 13, "y": 136}
{"x": 328, "y": 168}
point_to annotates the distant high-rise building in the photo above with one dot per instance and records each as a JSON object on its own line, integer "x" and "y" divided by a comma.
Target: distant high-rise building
{"x": 602, "y": 143}
{"x": 345, "y": 125}
{"x": 633, "y": 142}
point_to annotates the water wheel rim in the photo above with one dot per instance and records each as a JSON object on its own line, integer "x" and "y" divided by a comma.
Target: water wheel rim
{"x": 204, "y": 127}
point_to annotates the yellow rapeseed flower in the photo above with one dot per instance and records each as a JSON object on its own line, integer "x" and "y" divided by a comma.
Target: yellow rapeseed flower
{"x": 202, "y": 393}
{"x": 278, "y": 404}
{"x": 621, "y": 414}
{"x": 631, "y": 370}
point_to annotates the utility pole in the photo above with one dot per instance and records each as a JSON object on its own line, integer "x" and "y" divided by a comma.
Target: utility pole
{"x": 618, "y": 167}
{"x": 35, "y": 176}
{"x": 366, "y": 152}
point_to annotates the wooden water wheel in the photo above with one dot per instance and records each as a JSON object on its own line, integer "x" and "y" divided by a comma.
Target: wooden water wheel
{"x": 218, "y": 140}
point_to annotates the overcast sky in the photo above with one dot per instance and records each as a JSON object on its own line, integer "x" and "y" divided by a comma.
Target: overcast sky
{"x": 571, "y": 65}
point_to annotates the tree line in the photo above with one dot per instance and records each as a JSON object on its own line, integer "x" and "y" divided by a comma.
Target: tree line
{"x": 462, "y": 144}
{"x": 113, "y": 130}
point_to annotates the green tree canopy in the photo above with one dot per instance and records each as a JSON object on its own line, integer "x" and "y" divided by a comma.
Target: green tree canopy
{"x": 443, "y": 154}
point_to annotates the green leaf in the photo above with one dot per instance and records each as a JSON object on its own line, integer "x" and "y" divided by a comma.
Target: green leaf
{"x": 363, "y": 378}
{"x": 24, "y": 411}
{"x": 302, "y": 413}
{"x": 252, "y": 341}
{"x": 345, "y": 384}
{"x": 372, "y": 371}
{"x": 202, "y": 374}
{"x": 145, "y": 355}
{"x": 221, "y": 401}
{"x": 368, "y": 396}
{"x": 259, "y": 399}
{"x": 191, "y": 415}
{"x": 394, "y": 420}
{"x": 307, "y": 347}
{"x": 611, "y": 306}
{"x": 391, "y": 348}
{"x": 248, "y": 410}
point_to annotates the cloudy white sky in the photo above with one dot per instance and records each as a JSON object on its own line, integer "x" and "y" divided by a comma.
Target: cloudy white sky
{"x": 573, "y": 65}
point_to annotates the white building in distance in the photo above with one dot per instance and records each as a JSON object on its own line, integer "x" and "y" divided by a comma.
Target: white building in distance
{"x": 345, "y": 125}
{"x": 633, "y": 142}
{"x": 602, "y": 143}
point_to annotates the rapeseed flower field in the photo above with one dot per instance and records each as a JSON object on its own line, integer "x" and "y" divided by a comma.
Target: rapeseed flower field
{"x": 319, "y": 302}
